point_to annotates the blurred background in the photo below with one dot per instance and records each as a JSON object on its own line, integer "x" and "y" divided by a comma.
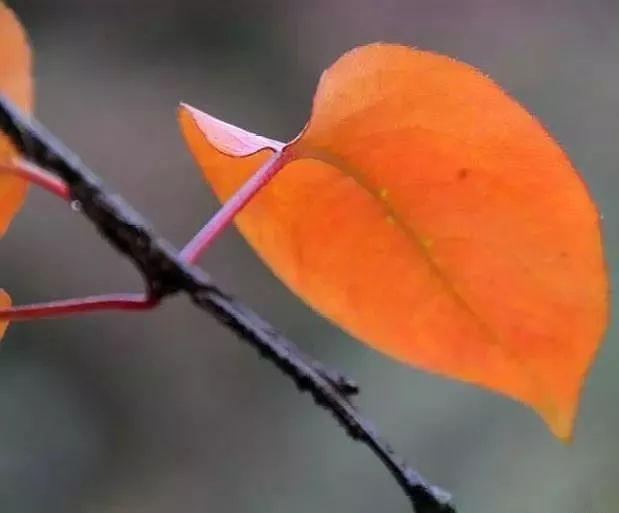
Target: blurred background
{"x": 166, "y": 411}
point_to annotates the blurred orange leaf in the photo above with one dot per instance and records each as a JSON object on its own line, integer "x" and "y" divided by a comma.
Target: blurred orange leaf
{"x": 431, "y": 216}
{"x": 16, "y": 84}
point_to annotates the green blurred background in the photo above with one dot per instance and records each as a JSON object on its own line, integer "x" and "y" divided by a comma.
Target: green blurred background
{"x": 166, "y": 411}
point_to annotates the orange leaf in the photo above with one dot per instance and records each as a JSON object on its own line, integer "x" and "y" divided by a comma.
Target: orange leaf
{"x": 429, "y": 215}
{"x": 5, "y": 302}
{"x": 16, "y": 84}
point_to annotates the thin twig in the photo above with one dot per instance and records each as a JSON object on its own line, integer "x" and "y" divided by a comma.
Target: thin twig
{"x": 165, "y": 273}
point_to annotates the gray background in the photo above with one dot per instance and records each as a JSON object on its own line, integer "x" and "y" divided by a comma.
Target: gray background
{"x": 168, "y": 412}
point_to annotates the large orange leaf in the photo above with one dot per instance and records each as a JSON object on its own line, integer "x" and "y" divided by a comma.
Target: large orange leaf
{"x": 16, "y": 84}
{"x": 429, "y": 215}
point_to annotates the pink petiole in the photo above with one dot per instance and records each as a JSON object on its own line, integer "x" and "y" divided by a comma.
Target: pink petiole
{"x": 38, "y": 176}
{"x": 67, "y": 307}
{"x": 222, "y": 219}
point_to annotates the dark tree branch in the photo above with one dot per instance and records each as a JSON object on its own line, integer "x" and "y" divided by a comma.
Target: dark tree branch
{"x": 165, "y": 274}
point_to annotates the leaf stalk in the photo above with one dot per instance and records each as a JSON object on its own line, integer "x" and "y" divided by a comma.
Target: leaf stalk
{"x": 196, "y": 247}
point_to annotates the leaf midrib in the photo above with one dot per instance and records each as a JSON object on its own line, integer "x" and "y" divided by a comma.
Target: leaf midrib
{"x": 492, "y": 336}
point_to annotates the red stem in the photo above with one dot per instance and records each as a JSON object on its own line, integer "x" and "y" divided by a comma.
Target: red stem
{"x": 190, "y": 253}
{"x": 203, "y": 239}
{"x": 128, "y": 302}
{"x": 38, "y": 176}
{"x": 66, "y": 307}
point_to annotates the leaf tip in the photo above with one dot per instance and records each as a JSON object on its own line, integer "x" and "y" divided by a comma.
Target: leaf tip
{"x": 560, "y": 413}
{"x": 561, "y": 426}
